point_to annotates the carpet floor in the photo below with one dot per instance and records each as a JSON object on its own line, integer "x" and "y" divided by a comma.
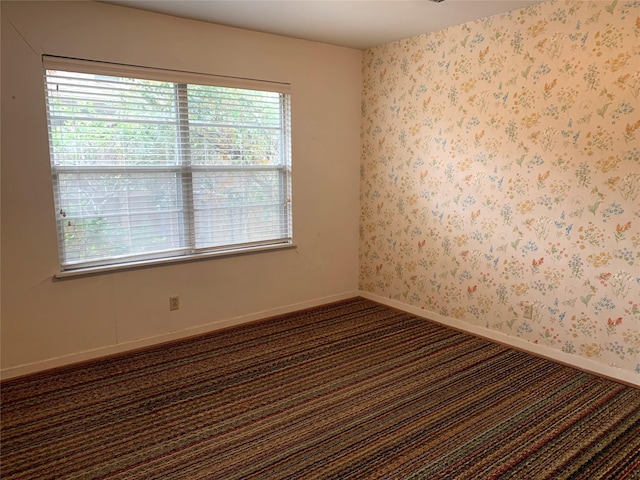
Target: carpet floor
{"x": 348, "y": 390}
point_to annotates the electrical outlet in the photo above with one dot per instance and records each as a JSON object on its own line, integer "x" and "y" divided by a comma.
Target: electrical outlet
{"x": 174, "y": 303}
{"x": 527, "y": 311}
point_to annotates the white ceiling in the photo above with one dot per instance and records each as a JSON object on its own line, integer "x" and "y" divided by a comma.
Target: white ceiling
{"x": 350, "y": 23}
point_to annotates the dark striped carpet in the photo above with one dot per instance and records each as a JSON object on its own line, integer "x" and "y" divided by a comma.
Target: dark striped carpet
{"x": 347, "y": 390}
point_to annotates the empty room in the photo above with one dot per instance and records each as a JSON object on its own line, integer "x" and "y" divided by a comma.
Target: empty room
{"x": 320, "y": 239}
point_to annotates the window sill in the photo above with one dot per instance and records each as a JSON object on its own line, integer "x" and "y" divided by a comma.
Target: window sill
{"x": 119, "y": 267}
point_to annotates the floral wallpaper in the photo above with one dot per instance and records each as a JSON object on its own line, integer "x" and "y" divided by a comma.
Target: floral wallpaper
{"x": 501, "y": 169}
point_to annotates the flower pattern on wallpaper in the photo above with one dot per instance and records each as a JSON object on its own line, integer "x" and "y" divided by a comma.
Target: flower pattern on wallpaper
{"x": 501, "y": 165}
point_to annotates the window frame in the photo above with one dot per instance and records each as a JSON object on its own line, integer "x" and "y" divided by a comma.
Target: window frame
{"x": 184, "y": 169}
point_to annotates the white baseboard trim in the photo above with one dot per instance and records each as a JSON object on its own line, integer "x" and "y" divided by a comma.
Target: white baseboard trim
{"x": 26, "y": 369}
{"x": 624, "y": 376}
{"x": 581, "y": 363}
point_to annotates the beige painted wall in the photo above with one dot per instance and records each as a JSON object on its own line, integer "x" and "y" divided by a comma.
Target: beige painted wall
{"x": 43, "y": 319}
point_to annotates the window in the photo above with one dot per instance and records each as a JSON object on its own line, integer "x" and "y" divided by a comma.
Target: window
{"x": 151, "y": 164}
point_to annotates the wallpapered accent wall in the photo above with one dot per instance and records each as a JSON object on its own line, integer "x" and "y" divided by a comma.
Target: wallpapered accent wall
{"x": 501, "y": 165}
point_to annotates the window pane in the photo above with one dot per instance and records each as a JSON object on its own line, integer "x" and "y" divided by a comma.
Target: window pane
{"x": 100, "y": 120}
{"x": 239, "y": 207}
{"x": 234, "y": 127}
{"x": 234, "y": 106}
{"x": 220, "y": 145}
{"x": 107, "y": 215}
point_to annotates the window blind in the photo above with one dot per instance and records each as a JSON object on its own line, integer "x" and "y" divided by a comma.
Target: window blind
{"x": 147, "y": 164}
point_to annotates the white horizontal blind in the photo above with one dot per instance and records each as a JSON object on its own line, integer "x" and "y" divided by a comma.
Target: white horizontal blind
{"x": 147, "y": 168}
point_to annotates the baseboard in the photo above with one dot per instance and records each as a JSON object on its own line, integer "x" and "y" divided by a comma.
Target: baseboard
{"x": 26, "y": 369}
{"x": 585, "y": 364}
{"x": 581, "y": 363}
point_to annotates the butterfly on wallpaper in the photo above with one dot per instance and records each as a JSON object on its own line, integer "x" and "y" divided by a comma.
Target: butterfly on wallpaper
{"x": 586, "y": 299}
{"x": 504, "y": 97}
{"x": 593, "y": 208}
{"x": 444, "y": 65}
{"x": 490, "y": 259}
{"x": 574, "y": 36}
{"x": 499, "y": 181}
{"x": 603, "y": 110}
{"x": 611, "y": 7}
